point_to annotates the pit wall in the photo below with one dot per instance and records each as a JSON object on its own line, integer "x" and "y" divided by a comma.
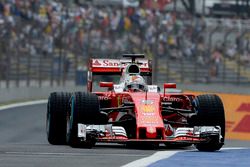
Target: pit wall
{"x": 237, "y": 112}
{"x": 12, "y": 95}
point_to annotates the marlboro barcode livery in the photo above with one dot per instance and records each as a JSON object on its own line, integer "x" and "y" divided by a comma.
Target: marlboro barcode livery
{"x": 133, "y": 110}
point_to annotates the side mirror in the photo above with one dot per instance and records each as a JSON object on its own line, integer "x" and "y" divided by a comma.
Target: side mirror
{"x": 106, "y": 84}
{"x": 169, "y": 86}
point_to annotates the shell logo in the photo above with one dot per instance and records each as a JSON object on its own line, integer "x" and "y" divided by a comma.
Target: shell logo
{"x": 147, "y": 108}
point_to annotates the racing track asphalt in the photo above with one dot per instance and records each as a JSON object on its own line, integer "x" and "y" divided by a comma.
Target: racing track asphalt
{"x": 23, "y": 143}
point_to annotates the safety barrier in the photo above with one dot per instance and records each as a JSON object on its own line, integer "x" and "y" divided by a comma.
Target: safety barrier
{"x": 34, "y": 93}
{"x": 237, "y": 111}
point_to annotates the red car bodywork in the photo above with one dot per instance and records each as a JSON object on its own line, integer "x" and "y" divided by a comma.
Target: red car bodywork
{"x": 148, "y": 106}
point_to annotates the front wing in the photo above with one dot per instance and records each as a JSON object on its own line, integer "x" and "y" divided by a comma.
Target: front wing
{"x": 117, "y": 134}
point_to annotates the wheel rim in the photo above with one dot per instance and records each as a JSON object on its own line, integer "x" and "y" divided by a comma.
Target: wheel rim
{"x": 69, "y": 119}
{"x": 68, "y": 126}
{"x": 48, "y": 124}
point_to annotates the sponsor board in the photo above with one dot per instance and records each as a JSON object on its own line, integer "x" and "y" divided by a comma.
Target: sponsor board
{"x": 237, "y": 112}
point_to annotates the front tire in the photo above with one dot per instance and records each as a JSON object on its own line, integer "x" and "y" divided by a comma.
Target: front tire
{"x": 57, "y": 107}
{"x": 210, "y": 112}
{"x": 85, "y": 110}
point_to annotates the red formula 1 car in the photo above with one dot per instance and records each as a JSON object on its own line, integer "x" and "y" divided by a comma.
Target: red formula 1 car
{"x": 134, "y": 110}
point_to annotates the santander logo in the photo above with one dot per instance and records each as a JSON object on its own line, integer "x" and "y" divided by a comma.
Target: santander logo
{"x": 96, "y": 63}
{"x": 111, "y": 63}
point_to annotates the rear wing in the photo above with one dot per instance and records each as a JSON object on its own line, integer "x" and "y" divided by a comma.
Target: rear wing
{"x": 115, "y": 67}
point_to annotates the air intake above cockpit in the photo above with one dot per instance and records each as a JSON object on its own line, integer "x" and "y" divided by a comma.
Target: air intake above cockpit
{"x": 133, "y": 69}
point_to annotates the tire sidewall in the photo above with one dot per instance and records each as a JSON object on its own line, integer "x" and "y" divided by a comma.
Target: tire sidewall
{"x": 206, "y": 117}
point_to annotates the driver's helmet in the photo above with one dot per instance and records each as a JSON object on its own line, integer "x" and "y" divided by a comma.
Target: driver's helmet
{"x": 135, "y": 83}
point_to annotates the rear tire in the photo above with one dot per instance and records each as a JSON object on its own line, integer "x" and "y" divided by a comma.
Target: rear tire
{"x": 84, "y": 109}
{"x": 57, "y": 107}
{"x": 210, "y": 112}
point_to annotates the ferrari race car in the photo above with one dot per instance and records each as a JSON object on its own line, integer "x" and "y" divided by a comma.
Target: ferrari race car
{"x": 133, "y": 110}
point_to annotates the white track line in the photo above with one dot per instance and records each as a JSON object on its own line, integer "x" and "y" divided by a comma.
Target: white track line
{"x": 9, "y": 106}
{"x": 151, "y": 159}
{"x": 234, "y": 148}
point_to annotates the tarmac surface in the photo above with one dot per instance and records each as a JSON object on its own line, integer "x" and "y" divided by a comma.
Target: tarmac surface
{"x": 23, "y": 143}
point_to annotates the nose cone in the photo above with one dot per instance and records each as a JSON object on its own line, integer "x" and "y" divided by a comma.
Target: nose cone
{"x": 148, "y": 115}
{"x": 151, "y": 132}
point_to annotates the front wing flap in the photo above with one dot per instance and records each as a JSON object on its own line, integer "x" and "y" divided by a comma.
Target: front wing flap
{"x": 117, "y": 134}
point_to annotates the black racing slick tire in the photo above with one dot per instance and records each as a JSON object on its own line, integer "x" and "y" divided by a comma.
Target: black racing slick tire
{"x": 57, "y": 107}
{"x": 210, "y": 112}
{"x": 84, "y": 109}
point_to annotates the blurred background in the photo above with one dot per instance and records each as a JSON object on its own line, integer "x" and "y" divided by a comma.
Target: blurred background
{"x": 49, "y": 42}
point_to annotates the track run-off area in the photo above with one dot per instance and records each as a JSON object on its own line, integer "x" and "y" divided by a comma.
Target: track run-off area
{"x": 23, "y": 143}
